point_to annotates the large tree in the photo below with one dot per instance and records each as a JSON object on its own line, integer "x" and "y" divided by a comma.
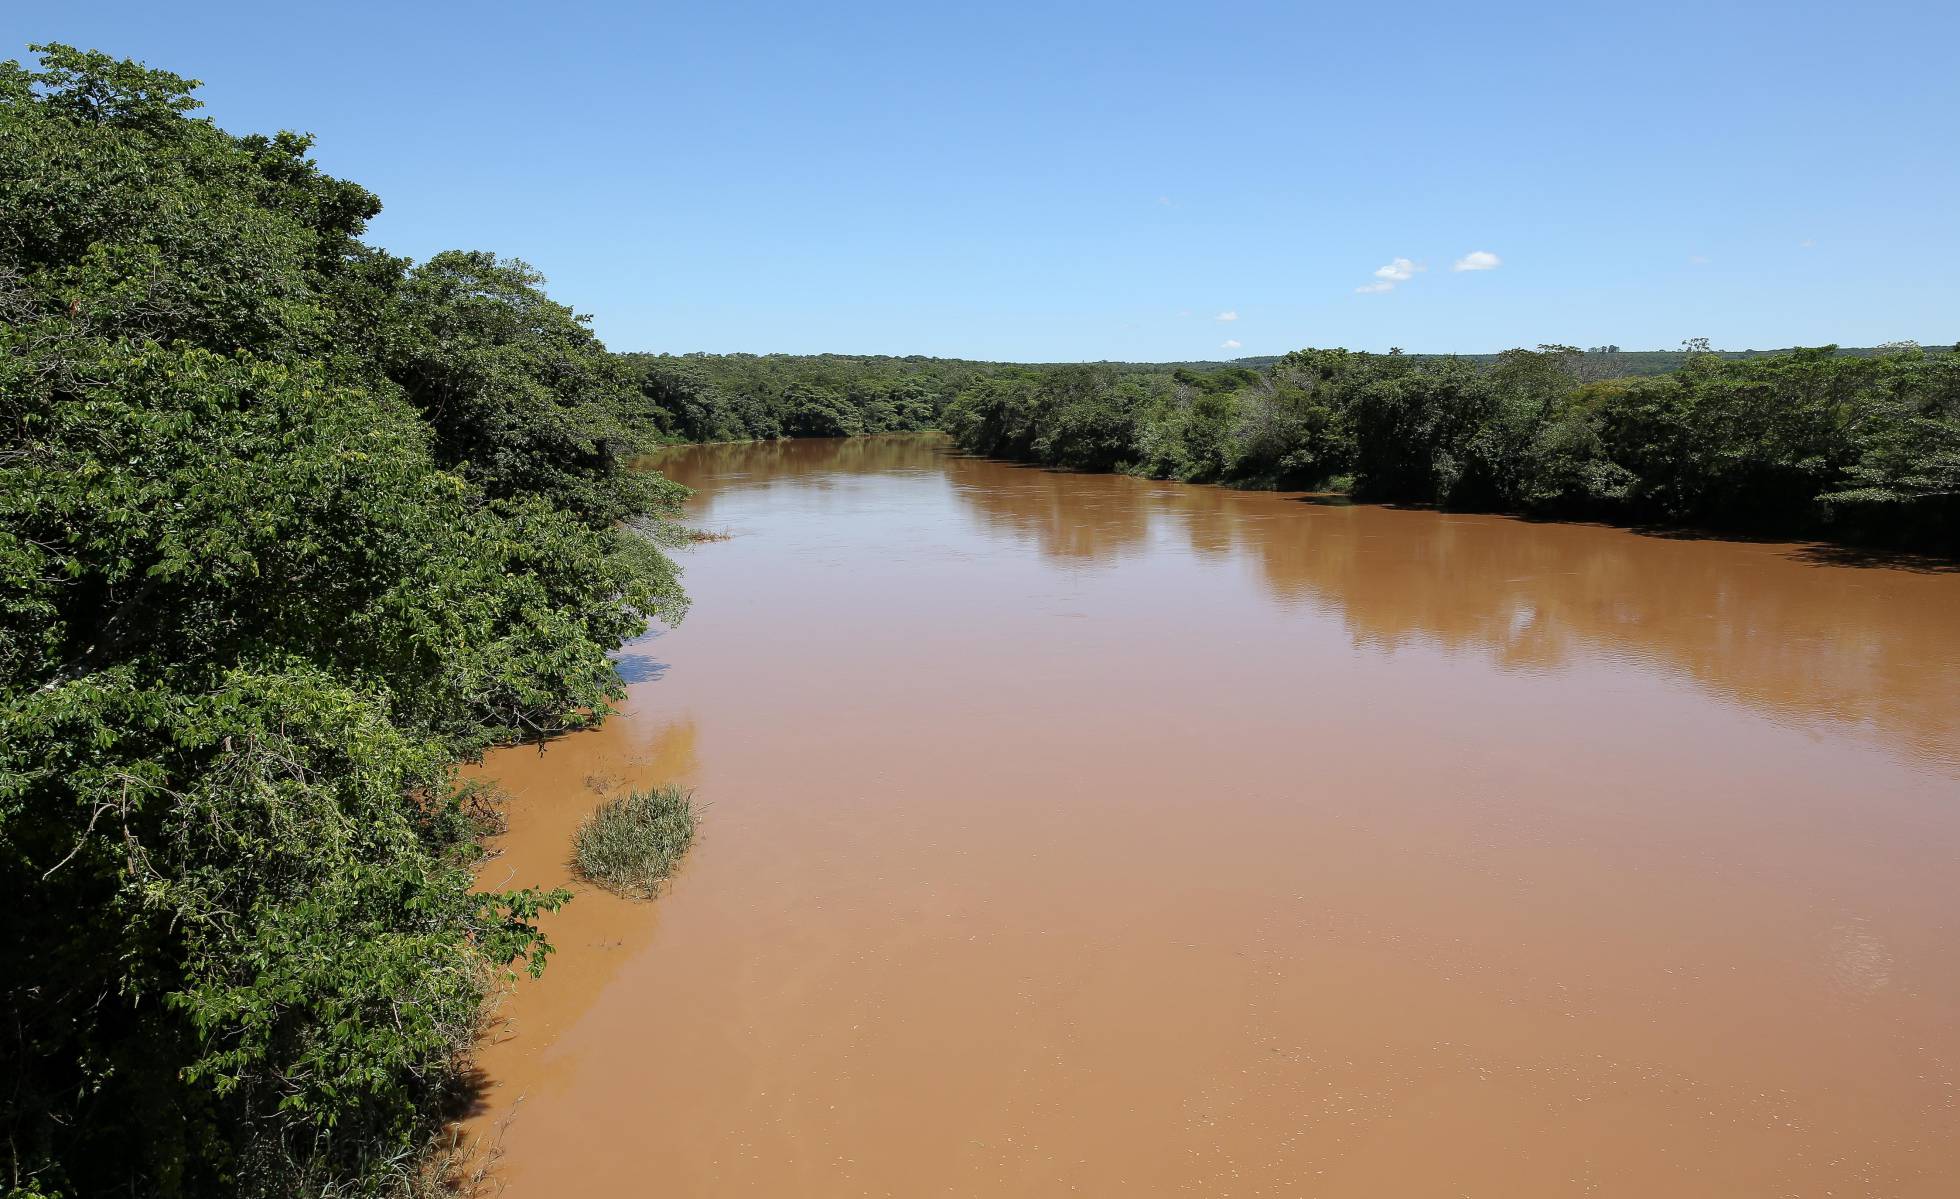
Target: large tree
{"x": 288, "y": 528}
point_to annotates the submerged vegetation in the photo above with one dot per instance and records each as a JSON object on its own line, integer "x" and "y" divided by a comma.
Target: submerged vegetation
{"x": 1806, "y": 442}
{"x": 289, "y": 527}
{"x": 631, "y": 844}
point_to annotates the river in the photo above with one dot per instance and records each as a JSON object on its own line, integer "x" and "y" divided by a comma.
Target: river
{"x": 1084, "y": 835}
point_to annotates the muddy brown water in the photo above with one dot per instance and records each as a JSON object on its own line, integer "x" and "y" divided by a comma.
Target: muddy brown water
{"x": 1081, "y": 835}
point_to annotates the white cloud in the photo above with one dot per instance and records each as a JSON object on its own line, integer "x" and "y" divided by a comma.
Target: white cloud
{"x": 1478, "y": 260}
{"x": 1399, "y": 271}
{"x": 1808, "y": 242}
{"x": 1226, "y": 316}
{"x": 1229, "y": 344}
{"x": 1374, "y": 289}
{"x": 1697, "y": 260}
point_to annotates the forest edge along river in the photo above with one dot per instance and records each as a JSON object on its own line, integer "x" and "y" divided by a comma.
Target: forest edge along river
{"x": 1085, "y": 834}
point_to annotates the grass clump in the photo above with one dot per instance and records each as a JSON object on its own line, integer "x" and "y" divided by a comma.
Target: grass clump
{"x": 631, "y": 843}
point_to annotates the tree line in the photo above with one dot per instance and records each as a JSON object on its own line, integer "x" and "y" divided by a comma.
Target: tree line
{"x": 758, "y": 397}
{"x": 289, "y": 527}
{"x": 1810, "y": 442}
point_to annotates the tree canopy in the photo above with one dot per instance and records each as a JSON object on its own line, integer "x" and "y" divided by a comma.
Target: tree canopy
{"x": 1810, "y": 442}
{"x": 289, "y": 528}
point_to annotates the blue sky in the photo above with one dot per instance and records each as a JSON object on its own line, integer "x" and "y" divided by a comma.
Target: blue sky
{"x": 1060, "y": 181}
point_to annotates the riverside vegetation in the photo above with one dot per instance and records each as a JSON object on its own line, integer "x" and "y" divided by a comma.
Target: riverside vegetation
{"x": 291, "y": 527}
{"x": 1852, "y": 445}
{"x": 1859, "y": 447}
{"x": 631, "y": 844}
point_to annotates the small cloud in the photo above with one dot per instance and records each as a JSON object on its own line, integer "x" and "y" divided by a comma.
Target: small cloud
{"x": 1697, "y": 260}
{"x": 1184, "y": 312}
{"x": 1808, "y": 243}
{"x": 1230, "y": 343}
{"x": 1165, "y": 201}
{"x": 1374, "y": 289}
{"x": 1478, "y": 260}
{"x": 1226, "y": 316}
{"x": 1399, "y": 271}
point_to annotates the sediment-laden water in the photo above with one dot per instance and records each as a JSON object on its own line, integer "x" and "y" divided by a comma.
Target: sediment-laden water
{"x": 1086, "y": 835}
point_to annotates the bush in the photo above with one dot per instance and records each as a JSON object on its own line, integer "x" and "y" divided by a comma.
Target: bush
{"x": 631, "y": 843}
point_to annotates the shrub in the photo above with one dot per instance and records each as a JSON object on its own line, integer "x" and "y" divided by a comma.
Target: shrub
{"x": 631, "y": 843}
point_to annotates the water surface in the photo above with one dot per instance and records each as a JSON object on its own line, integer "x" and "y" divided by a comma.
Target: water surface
{"x": 1087, "y": 835}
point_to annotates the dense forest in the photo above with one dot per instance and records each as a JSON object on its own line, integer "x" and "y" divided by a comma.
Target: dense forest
{"x": 743, "y": 397}
{"x": 1811, "y": 442}
{"x": 289, "y": 527}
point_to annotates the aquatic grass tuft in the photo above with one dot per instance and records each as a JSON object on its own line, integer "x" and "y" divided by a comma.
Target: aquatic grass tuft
{"x": 631, "y": 843}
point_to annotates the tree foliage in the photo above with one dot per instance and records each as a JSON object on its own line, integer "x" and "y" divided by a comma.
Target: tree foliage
{"x": 1863, "y": 447}
{"x": 288, "y": 528}
{"x": 743, "y": 397}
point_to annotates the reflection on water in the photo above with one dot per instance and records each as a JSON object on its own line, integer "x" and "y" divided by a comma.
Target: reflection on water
{"x": 635, "y": 667}
{"x": 817, "y": 463}
{"x": 1786, "y": 628}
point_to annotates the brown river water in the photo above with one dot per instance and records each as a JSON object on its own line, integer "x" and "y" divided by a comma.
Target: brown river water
{"x": 1082, "y": 835}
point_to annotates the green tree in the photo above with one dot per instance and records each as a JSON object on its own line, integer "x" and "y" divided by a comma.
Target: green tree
{"x": 288, "y": 528}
